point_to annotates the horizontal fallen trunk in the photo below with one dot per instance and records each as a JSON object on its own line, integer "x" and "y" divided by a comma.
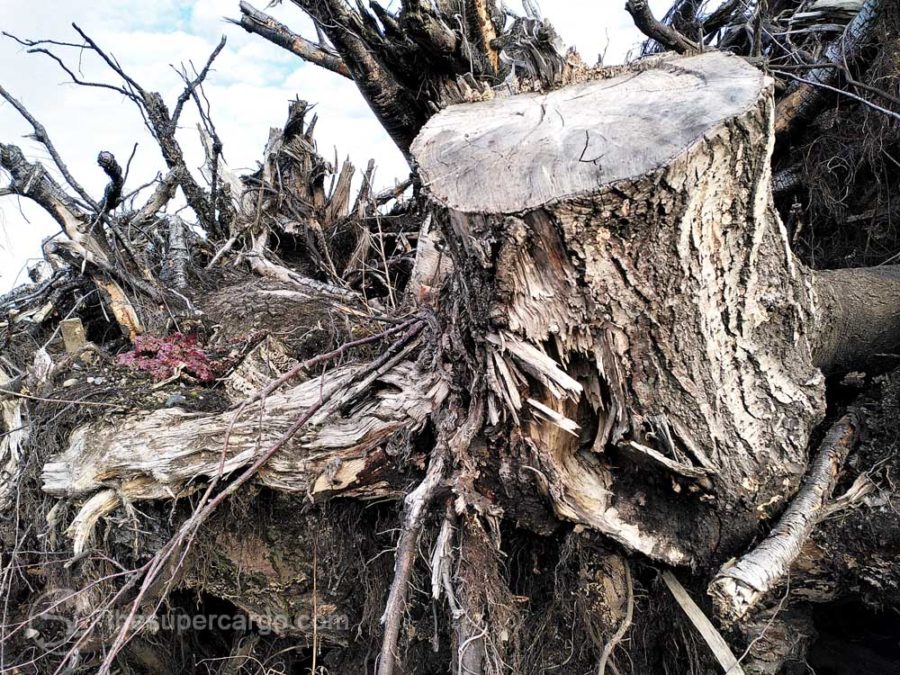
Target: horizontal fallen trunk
{"x": 858, "y": 312}
{"x": 160, "y": 455}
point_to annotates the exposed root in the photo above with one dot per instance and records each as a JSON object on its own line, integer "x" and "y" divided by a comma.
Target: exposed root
{"x": 414, "y": 513}
{"x": 173, "y": 554}
{"x": 739, "y": 585}
{"x": 415, "y": 509}
{"x": 487, "y": 623}
{"x": 625, "y": 625}
{"x": 101, "y": 504}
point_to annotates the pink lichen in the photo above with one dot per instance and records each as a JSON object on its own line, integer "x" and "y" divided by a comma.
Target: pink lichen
{"x": 161, "y": 357}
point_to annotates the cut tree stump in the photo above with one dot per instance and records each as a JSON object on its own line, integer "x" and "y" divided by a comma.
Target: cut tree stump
{"x": 584, "y": 326}
{"x": 639, "y": 300}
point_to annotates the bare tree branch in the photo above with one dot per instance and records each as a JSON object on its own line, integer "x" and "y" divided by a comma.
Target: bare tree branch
{"x": 650, "y": 26}
{"x": 164, "y": 192}
{"x": 400, "y": 113}
{"x": 739, "y": 585}
{"x": 112, "y": 195}
{"x": 31, "y": 180}
{"x": 42, "y": 137}
{"x": 193, "y": 84}
{"x": 254, "y": 21}
{"x": 721, "y": 16}
{"x": 159, "y": 121}
{"x": 842, "y": 92}
{"x": 110, "y": 61}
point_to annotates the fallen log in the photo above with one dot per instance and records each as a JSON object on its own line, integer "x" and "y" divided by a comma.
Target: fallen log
{"x": 159, "y": 455}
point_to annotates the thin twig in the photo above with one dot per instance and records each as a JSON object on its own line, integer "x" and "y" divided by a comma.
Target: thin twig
{"x": 193, "y": 84}
{"x": 843, "y": 92}
{"x": 15, "y": 394}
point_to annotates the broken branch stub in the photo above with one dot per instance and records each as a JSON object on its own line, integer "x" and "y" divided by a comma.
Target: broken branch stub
{"x": 624, "y": 230}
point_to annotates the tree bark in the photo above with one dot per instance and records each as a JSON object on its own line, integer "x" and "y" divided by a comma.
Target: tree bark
{"x": 642, "y": 315}
{"x": 858, "y": 312}
{"x": 740, "y": 584}
{"x": 645, "y": 303}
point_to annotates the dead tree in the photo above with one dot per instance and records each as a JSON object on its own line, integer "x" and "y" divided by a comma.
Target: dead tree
{"x": 575, "y": 350}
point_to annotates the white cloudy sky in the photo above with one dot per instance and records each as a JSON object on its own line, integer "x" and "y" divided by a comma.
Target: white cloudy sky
{"x": 249, "y": 90}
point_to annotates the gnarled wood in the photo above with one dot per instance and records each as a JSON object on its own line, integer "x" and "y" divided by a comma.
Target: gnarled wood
{"x": 158, "y": 455}
{"x": 632, "y": 243}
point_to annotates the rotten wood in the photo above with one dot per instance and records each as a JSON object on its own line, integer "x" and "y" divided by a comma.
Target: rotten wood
{"x": 157, "y": 455}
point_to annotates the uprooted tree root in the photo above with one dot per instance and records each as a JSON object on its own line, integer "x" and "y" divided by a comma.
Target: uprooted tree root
{"x": 408, "y": 431}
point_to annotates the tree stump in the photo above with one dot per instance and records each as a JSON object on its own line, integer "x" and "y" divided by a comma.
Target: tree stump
{"x": 633, "y": 284}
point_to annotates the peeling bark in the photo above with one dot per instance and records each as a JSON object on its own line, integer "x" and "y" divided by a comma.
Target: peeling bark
{"x": 739, "y": 584}
{"x": 650, "y": 298}
{"x": 660, "y": 281}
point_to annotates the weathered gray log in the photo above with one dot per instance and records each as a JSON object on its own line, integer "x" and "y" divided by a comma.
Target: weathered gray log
{"x": 158, "y": 455}
{"x": 640, "y": 302}
{"x": 808, "y": 98}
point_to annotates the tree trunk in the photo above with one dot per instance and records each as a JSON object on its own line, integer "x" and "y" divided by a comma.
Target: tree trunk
{"x": 635, "y": 287}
